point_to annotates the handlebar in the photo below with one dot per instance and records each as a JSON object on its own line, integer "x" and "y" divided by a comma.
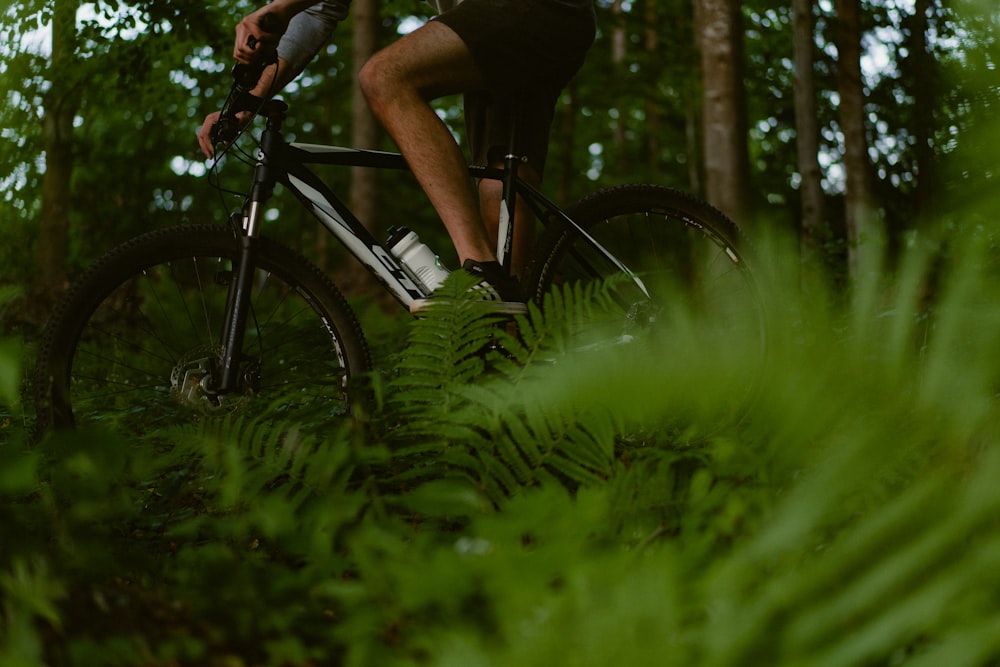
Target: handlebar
{"x": 245, "y": 78}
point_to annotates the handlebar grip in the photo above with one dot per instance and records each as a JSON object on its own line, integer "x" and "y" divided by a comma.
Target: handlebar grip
{"x": 247, "y": 76}
{"x": 269, "y": 23}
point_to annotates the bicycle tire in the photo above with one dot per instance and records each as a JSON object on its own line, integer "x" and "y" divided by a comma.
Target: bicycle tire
{"x": 690, "y": 257}
{"x": 132, "y": 343}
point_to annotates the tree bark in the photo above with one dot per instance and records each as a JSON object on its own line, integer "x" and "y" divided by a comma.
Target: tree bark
{"x": 813, "y": 230}
{"x": 60, "y": 107}
{"x": 924, "y": 93}
{"x": 619, "y": 51}
{"x": 364, "y": 129}
{"x": 566, "y": 145}
{"x": 693, "y": 145}
{"x": 651, "y": 44}
{"x": 864, "y": 236}
{"x": 349, "y": 275}
{"x": 725, "y": 148}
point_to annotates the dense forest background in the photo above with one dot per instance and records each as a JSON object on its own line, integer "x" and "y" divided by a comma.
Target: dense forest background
{"x": 623, "y": 506}
{"x": 836, "y": 121}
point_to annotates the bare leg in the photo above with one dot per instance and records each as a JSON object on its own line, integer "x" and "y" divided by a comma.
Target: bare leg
{"x": 399, "y": 82}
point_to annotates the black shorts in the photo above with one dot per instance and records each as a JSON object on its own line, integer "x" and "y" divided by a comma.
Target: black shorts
{"x": 527, "y": 51}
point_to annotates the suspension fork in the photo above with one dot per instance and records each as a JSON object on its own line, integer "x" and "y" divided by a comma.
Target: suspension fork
{"x": 238, "y": 306}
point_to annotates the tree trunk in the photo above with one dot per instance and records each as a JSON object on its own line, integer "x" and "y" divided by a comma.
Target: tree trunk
{"x": 726, "y": 155}
{"x": 693, "y": 145}
{"x": 364, "y": 129}
{"x": 619, "y": 51}
{"x": 569, "y": 176}
{"x": 924, "y": 92}
{"x": 60, "y": 107}
{"x": 813, "y": 231}
{"x": 864, "y": 236}
{"x": 651, "y": 44}
{"x": 350, "y": 276}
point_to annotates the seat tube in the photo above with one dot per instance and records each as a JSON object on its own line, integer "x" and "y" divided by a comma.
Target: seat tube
{"x": 505, "y": 236}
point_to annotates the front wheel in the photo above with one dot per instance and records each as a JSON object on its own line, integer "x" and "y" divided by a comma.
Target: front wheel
{"x": 679, "y": 282}
{"x": 135, "y": 343}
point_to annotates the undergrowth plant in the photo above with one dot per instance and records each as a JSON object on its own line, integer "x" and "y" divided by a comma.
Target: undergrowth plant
{"x": 464, "y": 407}
{"x": 508, "y": 501}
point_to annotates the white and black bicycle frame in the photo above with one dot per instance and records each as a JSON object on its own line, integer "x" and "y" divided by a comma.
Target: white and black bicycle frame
{"x": 281, "y": 162}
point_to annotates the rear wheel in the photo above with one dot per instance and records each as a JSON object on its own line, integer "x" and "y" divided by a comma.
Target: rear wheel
{"x": 682, "y": 282}
{"x": 135, "y": 343}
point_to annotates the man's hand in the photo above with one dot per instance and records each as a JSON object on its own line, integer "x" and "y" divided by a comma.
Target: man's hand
{"x": 205, "y": 131}
{"x": 258, "y": 33}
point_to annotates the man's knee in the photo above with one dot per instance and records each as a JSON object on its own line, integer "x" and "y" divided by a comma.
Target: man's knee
{"x": 382, "y": 81}
{"x": 371, "y": 79}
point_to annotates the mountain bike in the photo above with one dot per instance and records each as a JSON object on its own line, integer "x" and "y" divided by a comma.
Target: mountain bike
{"x": 199, "y": 320}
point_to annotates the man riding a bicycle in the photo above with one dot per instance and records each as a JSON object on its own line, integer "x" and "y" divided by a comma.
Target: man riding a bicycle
{"x": 505, "y": 56}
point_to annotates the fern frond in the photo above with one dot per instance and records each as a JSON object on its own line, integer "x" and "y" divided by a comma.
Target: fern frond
{"x": 510, "y": 428}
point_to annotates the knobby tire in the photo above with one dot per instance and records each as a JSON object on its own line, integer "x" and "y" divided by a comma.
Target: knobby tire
{"x": 134, "y": 342}
{"x": 692, "y": 261}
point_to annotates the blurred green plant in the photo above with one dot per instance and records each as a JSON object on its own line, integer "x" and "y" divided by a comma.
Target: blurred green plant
{"x": 848, "y": 517}
{"x": 557, "y": 508}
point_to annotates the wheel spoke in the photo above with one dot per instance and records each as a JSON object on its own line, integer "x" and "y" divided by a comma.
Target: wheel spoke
{"x": 688, "y": 257}
{"x": 138, "y": 334}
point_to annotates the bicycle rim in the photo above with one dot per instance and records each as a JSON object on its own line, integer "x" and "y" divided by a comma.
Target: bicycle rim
{"x": 687, "y": 287}
{"x": 135, "y": 345}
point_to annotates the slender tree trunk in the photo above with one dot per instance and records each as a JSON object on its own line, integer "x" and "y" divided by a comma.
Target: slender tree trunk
{"x": 619, "y": 51}
{"x": 349, "y": 275}
{"x": 60, "y": 107}
{"x": 726, "y": 154}
{"x": 693, "y": 145}
{"x": 568, "y": 174}
{"x": 813, "y": 231}
{"x": 364, "y": 129}
{"x": 692, "y": 104}
{"x": 924, "y": 96}
{"x": 864, "y": 235}
{"x": 651, "y": 44}
{"x": 321, "y": 250}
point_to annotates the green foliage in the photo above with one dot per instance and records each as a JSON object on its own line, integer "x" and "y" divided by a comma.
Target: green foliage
{"x": 11, "y": 370}
{"x": 141, "y": 78}
{"x": 144, "y": 75}
{"x": 470, "y": 398}
{"x": 515, "y": 502}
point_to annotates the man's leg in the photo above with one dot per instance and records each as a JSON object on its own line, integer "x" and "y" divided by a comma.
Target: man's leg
{"x": 399, "y": 82}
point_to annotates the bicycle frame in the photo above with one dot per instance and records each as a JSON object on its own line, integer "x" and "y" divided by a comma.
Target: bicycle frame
{"x": 287, "y": 163}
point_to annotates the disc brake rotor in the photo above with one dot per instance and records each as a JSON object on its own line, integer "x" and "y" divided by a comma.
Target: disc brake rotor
{"x": 194, "y": 377}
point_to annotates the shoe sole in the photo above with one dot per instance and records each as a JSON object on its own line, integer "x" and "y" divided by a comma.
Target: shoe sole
{"x": 496, "y": 307}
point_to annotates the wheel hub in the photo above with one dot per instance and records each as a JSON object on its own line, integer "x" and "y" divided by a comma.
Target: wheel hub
{"x": 641, "y": 315}
{"x": 194, "y": 378}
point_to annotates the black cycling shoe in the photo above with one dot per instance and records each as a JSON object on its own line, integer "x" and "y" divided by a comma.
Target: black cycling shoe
{"x": 495, "y": 287}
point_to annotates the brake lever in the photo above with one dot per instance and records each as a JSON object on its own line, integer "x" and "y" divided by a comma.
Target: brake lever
{"x": 225, "y": 130}
{"x": 245, "y": 77}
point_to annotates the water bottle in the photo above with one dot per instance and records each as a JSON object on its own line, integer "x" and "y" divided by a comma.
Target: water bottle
{"x": 416, "y": 257}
